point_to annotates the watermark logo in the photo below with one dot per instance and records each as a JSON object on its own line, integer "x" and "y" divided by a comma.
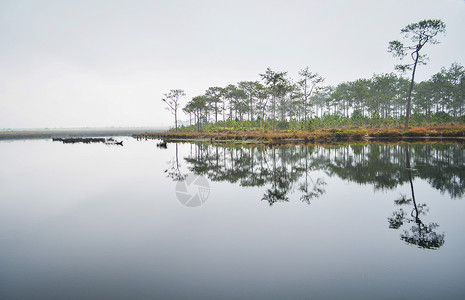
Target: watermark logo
{"x": 193, "y": 191}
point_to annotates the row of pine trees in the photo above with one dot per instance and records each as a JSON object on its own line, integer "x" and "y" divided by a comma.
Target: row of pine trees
{"x": 276, "y": 99}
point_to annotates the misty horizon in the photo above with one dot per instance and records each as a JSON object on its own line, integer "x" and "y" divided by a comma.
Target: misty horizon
{"x": 91, "y": 64}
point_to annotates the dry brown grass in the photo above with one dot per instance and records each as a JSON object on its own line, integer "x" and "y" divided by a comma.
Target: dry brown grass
{"x": 319, "y": 135}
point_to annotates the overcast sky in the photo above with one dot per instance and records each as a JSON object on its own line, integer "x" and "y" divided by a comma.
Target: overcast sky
{"x": 107, "y": 63}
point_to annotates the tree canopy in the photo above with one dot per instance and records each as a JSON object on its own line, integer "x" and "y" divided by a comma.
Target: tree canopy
{"x": 420, "y": 34}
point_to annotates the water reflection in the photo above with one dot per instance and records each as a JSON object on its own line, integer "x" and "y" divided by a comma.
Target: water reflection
{"x": 310, "y": 188}
{"x": 419, "y": 234}
{"x": 287, "y": 169}
{"x": 282, "y": 169}
{"x": 174, "y": 167}
{"x": 291, "y": 169}
{"x": 120, "y": 232}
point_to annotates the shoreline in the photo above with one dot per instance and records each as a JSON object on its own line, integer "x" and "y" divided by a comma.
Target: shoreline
{"x": 333, "y": 135}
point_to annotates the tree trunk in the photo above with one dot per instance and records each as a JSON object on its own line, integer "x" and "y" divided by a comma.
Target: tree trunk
{"x": 409, "y": 97}
{"x": 175, "y": 120}
{"x": 274, "y": 111}
{"x": 224, "y": 119}
{"x": 305, "y": 106}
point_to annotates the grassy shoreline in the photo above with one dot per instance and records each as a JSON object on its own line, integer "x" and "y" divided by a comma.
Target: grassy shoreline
{"x": 444, "y": 132}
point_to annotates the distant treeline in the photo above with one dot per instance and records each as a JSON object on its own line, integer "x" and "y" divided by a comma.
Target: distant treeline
{"x": 278, "y": 101}
{"x": 65, "y": 133}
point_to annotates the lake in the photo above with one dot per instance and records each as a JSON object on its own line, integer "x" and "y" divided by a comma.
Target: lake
{"x": 196, "y": 221}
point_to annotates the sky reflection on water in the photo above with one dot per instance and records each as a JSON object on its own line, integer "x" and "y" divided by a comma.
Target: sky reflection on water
{"x": 97, "y": 221}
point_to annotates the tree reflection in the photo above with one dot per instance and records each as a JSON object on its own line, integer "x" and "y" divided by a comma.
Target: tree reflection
{"x": 311, "y": 190}
{"x": 174, "y": 169}
{"x": 279, "y": 184}
{"x": 283, "y": 171}
{"x": 279, "y": 169}
{"x": 297, "y": 169}
{"x": 419, "y": 234}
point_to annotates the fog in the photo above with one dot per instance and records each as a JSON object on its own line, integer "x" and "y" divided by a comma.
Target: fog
{"x": 102, "y": 63}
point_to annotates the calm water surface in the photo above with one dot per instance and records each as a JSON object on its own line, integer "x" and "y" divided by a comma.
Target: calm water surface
{"x": 348, "y": 222}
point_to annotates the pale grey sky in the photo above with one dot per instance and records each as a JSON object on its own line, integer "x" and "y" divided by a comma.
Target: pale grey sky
{"x": 107, "y": 63}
